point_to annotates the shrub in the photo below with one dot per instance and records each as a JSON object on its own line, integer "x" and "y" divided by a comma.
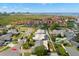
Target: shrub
{"x": 40, "y": 51}
{"x": 60, "y": 50}
{"x": 54, "y": 26}
{"x": 26, "y": 45}
{"x": 31, "y": 43}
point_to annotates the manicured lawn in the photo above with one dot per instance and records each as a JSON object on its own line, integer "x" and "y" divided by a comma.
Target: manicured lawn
{"x": 22, "y": 28}
{"x": 14, "y": 42}
{"x": 78, "y": 49}
{"x": 2, "y": 47}
{"x": 27, "y": 54}
{"x": 16, "y": 37}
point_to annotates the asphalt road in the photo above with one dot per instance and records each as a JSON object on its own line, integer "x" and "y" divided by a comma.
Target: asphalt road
{"x": 10, "y": 52}
{"x": 72, "y": 51}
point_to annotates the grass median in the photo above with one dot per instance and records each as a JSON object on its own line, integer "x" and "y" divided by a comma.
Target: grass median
{"x": 4, "y": 48}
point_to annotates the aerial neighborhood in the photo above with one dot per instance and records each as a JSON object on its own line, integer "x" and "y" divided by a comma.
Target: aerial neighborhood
{"x": 35, "y": 35}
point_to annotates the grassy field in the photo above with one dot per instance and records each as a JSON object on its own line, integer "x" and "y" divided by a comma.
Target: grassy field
{"x": 7, "y": 19}
{"x": 10, "y": 18}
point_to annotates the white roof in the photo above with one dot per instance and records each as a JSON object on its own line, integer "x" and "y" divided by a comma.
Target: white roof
{"x": 45, "y": 43}
{"x": 12, "y": 31}
{"x": 39, "y": 31}
{"x": 39, "y": 34}
{"x": 8, "y": 26}
{"x": 11, "y": 45}
{"x": 58, "y": 31}
{"x": 39, "y": 37}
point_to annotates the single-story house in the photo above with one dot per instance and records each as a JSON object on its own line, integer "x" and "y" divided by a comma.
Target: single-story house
{"x": 23, "y": 40}
{"x": 70, "y": 34}
{"x": 5, "y": 38}
{"x": 61, "y": 40}
{"x": 56, "y": 32}
{"x": 41, "y": 37}
{"x": 13, "y": 31}
{"x": 8, "y": 26}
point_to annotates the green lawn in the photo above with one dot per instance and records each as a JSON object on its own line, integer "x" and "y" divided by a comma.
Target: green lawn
{"x": 78, "y": 49}
{"x": 27, "y": 54}
{"x": 16, "y": 37}
{"x": 14, "y": 42}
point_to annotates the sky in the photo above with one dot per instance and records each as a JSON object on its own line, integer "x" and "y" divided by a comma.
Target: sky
{"x": 39, "y": 7}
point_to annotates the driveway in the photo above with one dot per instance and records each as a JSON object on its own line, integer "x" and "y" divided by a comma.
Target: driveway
{"x": 53, "y": 54}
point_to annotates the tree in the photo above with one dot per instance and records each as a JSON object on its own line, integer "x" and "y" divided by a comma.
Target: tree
{"x": 25, "y": 45}
{"x": 40, "y": 51}
{"x": 12, "y": 12}
{"x": 4, "y": 32}
{"x": 31, "y": 43}
{"x": 27, "y": 12}
{"x": 77, "y": 38}
{"x": 44, "y": 26}
{"x": 5, "y": 13}
{"x": 70, "y": 24}
{"x": 54, "y": 26}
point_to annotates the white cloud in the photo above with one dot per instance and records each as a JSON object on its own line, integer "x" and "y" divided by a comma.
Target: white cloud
{"x": 44, "y": 3}
{"x": 26, "y": 8}
{"x": 6, "y": 9}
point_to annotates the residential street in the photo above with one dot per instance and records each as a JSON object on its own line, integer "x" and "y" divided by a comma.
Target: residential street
{"x": 72, "y": 51}
{"x": 10, "y": 52}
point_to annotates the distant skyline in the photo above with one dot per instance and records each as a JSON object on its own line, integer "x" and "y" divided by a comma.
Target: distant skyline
{"x": 40, "y": 7}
